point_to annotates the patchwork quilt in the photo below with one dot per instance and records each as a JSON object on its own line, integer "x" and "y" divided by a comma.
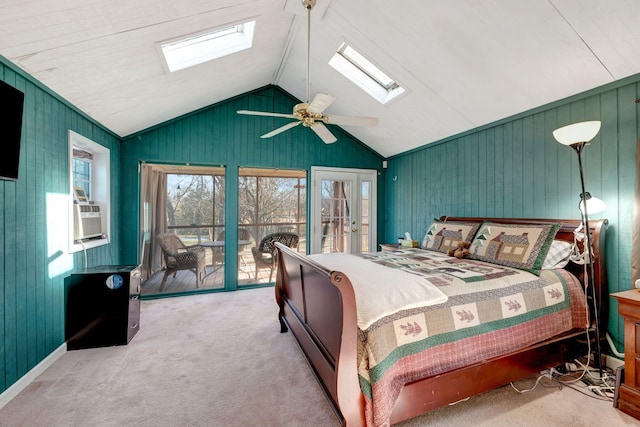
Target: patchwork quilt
{"x": 491, "y": 310}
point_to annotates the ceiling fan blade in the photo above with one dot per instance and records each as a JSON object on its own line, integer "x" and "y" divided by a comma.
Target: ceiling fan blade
{"x": 320, "y": 103}
{"x": 281, "y": 129}
{"x": 262, "y": 113}
{"x": 321, "y": 130}
{"x": 350, "y": 121}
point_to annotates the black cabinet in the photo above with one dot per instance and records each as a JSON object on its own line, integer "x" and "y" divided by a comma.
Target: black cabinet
{"x": 102, "y": 306}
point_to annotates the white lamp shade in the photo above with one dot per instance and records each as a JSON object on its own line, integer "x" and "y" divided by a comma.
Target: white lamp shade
{"x": 594, "y": 206}
{"x": 577, "y": 132}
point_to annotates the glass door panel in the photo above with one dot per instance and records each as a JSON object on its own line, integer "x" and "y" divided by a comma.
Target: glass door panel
{"x": 365, "y": 206}
{"x": 272, "y": 204}
{"x": 336, "y": 205}
{"x": 188, "y": 202}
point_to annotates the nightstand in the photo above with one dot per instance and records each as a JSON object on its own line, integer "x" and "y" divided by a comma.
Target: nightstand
{"x": 385, "y": 247}
{"x": 629, "y": 309}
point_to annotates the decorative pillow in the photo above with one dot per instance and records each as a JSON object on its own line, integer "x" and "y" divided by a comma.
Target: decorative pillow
{"x": 558, "y": 255}
{"x": 442, "y": 236}
{"x": 522, "y": 246}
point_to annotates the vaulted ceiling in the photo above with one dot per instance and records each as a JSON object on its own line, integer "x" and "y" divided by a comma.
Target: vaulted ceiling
{"x": 464, "y": 63}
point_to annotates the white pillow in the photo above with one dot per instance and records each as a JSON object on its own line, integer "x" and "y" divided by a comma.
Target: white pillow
{"x": 558, "y": 255}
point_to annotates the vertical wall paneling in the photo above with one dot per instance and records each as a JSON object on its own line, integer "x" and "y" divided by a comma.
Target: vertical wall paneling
{"x": 472, "y": 175}
{"x": 9, "y": 272}
{"x": 482, "y": 153}
{"x": 628, "y": 134}
{"x": 31, "y": 273}
{"x": 519, "y": 170}
{"x": 490, "y": 168}
{"x": 535, "y": 183}
{"x": 20, "y": 265}
{"x": 527, "y": 164}
{"x": 501, "y": 165}
{"x": 517, "y": 185}
{"x": 507, "y": 178}
{"x": 555, "y": 155}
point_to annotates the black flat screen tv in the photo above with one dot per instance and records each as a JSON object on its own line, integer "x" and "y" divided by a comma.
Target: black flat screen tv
{"x": 11, "y": 106}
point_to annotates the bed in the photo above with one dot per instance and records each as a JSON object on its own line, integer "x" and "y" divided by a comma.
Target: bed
{"x": 369, "y": 384}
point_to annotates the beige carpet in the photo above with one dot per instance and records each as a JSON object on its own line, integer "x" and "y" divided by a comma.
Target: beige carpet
{"x": 219, "y": 360}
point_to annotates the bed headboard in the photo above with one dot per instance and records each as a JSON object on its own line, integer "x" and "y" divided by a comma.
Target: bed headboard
{"x": 598, "y": 233}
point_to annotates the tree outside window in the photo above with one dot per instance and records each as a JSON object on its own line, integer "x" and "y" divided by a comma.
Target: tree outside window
{"x": 195, "y": 206}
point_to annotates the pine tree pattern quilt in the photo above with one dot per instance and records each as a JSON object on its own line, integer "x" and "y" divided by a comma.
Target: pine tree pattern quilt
{"x": 491, "y": 310}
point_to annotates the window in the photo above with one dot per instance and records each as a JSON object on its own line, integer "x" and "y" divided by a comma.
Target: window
{"x": 364, "y": 74}
{"x": 198, "y": 48}
{"x": 89, "y": 173}
{"x": 81, "y": 171}
{"x": 195, "y": 205}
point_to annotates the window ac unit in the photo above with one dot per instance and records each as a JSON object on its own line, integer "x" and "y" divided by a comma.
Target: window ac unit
{"x": 87, "y": 221}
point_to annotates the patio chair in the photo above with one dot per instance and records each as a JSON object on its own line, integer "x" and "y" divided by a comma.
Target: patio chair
{"x": 266, "y": 255}
{"x": 178, "y": 256}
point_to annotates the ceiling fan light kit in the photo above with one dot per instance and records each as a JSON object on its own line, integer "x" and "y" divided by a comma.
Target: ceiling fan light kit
{"x": 311, "y": 114}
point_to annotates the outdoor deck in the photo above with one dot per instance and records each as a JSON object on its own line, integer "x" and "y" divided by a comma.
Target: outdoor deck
{"x": 185, "y": 280}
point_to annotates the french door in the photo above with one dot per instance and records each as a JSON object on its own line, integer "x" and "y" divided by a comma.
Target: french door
{"x": 343, "y": 210}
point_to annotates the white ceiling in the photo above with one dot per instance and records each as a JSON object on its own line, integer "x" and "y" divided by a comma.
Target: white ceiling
{"x": 464, "y": 63}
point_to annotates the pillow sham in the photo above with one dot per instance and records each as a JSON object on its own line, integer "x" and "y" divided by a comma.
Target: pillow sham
{"x": 444, "y": 235}
{"x": 521, "y": 246}
{"x": 558, "y": 255}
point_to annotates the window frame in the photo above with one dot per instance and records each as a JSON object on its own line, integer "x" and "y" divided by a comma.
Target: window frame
{"x": 198, "y": 48}
{"x": 100, "y": 191}
{"x": 83, "y": 183}
{"x": 359, "y": 70}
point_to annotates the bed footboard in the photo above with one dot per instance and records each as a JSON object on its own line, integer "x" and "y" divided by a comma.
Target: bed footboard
{"x": 318, "y": 307}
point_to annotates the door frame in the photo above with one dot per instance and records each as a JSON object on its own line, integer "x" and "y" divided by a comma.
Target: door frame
{"x": 360, "y": 176}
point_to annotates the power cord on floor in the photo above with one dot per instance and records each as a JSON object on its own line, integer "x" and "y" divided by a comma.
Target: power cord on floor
{"x": 603, "y": 390}
{"x": 543, "y": 374}
{"x": 598, "y": 383}
{"x": 580, "y": 376}
{"x": 549, "y": 374}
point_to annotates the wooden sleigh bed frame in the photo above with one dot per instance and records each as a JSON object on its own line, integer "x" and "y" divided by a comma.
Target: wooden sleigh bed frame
{"x": 318, "y": 307}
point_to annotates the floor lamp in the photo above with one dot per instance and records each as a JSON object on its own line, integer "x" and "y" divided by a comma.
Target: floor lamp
{"x": 577, "y": 136}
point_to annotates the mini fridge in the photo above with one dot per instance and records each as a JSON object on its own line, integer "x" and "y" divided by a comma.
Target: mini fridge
{"x": 102, "y": 306}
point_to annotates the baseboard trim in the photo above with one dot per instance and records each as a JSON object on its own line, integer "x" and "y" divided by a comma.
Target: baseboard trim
{"x": 28, "y": 378}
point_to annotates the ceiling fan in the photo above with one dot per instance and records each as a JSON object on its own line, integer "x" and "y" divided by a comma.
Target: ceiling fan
{"x": 311, "y": 114}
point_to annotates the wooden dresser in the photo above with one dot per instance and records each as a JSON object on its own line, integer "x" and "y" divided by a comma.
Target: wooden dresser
{"x": 629, "y": 309}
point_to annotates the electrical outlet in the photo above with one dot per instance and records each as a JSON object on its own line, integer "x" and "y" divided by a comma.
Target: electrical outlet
{"x": 614, "y": 362}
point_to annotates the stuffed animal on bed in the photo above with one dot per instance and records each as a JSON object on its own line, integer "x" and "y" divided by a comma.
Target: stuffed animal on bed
{"x": 462, "y": 249}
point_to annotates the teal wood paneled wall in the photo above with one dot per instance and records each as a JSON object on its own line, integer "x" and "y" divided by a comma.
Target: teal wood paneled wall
{"x": 515, "y": 168}
{"x": 34, "y": 258}
{"x": 217, "y": 135}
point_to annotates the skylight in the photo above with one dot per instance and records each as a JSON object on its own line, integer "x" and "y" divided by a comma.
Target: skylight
{"x": 198, "y": 48}
{"x": 363, "y": 73}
